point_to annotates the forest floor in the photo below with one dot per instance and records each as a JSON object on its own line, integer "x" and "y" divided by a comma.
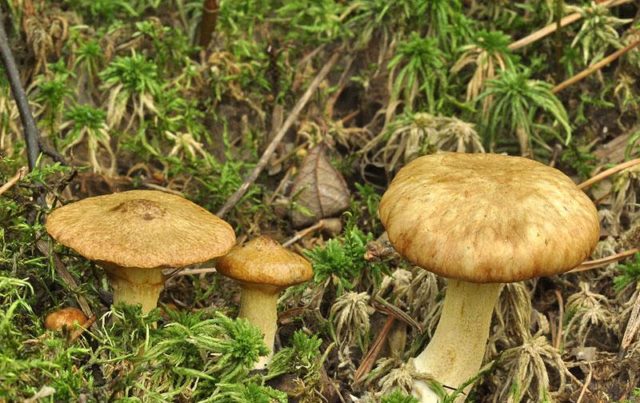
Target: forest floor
{"x": 289, "y": 119}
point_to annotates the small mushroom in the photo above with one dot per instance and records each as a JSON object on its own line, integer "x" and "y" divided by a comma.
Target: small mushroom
{"x": 482, "y": 220}
{"x": 263, "y": 268}
{"x": 134, "y": 235}
{"x": 64, "y": 318}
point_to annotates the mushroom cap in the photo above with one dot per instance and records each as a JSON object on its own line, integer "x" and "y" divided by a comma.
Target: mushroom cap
{"x": 64, "y": 317}
{"x": 488, "y": 218}
{"x": 263, "y": 261}
{"x": 141, "y": 229}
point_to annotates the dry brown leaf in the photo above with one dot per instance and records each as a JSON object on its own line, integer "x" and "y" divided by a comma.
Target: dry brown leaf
{"x": 319, "y": 189}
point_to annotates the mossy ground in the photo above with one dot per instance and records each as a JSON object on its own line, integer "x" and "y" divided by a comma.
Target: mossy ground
{"x": 127, "y": 96}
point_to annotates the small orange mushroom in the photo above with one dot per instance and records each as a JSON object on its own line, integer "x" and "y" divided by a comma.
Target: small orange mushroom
{"x": 64, "y": 318}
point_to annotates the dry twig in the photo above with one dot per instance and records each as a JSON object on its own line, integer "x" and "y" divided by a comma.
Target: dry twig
{"x": 594, "y": 67}
{"x": 592, "y": 264}
{"x": 28, "y": 123}
{"x": 551, "y": 28}
{"x": 604, "y": 174}
{"x": 266, "y": 156}
{"x": 62, "y": 271}
{"x": 13, "y": 180}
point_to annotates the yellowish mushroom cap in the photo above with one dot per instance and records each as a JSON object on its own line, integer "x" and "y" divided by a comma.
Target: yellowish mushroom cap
{"x": 142, "y": 229}
{"x": 263, "y": 261}
{"x": 488, "y": 217}
{"x": 65, "y": 317}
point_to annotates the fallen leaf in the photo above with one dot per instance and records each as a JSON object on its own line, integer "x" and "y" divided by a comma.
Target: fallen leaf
{"x": 319, "y": 189}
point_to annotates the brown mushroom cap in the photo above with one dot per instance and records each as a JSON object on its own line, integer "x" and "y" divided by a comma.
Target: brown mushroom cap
{"x": 142, "y": 229}
{"x": 488, "y": 217}
{"x": 65, "y": 317}
{"x": 263, "y": 261}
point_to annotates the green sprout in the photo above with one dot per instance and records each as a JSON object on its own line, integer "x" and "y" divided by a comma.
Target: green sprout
{"x": 87, "y": 122}
{"x": 398, "y": 397}
{"x": 242, "y": 393}
{"x": 629, "y": 274}
{"x": 51, "y": 93}
{"x": 516, "y": 99}
{"x": 341, "y": 260}
{"x": 490, "y": 54}
{"x": 598, "y": 32}
{"x": 89, "y": 57}
{"x": 131, "y": 81}
{"x": 419, "y": 68}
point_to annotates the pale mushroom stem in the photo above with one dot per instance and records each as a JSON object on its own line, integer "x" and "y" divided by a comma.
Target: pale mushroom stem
{"x": 454, "y": 354}
{"x": 260, "y": 307}
{"x": 136, "y": 286}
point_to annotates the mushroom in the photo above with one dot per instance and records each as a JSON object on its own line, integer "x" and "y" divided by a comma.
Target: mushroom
{"x": 482, "y": 220}
{"x": 263, "y": 268}
{"x": 134, "y": 235}
{"x": 64, "y": 318}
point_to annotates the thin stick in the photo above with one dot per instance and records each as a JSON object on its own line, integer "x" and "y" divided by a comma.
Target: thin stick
{"x": 609, "y": 172}
{"x": 594, "y": 67}
{"x": 551, "y": 28}
{"x": 62, "y": 271}
{"x": 193, "y": 272}
{"x": 293, "y": 115}
{"x": 592, "y": 264}
{"x": 372, "y": 354}
{"x": 632, "y": 326}
{"x": 556, "y": 341}
{"x": 585, "y": 387}
{"x": 302, "y": 233}
{"x": 14, "y": 179}
{"x": 28, "y": 123}
{"x": 210, "y": 9}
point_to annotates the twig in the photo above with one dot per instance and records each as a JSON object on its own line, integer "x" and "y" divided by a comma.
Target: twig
{"x": 372, "y": 354}
{"x": 163, "y": 189}
{"x": 551, "y": 28}
{"x": 235, "y": 198}
{"x": 609, "y": 172}
{"x": 632, "y": 325}
{"x": 73, "y": 336}
{"x": 28, "y": 123}
{"x": 208, "y": 23}
{"x": 64, "y": 274}
{"x": 592, "y": 264}
{"x": 193, "y": 272}
{"x": 302, "y": 233}
{"x": 556, "y": 342}
{"x": 13, "y": 180}
{"x": 594, "y": 67}
{"x": 585, "y": 387}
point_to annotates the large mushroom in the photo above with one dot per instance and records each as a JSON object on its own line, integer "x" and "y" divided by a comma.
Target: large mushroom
{"x": 263, "y": 268}
{"x": 134, "y": 235}
{"x": 482, "y": 220}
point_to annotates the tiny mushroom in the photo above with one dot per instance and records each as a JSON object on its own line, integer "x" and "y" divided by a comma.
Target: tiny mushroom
{"x": 482, "y": 220}
{"x": 134, "y": 235}
{"x": 263, "y": 268}
{"x": 64, "y": 318}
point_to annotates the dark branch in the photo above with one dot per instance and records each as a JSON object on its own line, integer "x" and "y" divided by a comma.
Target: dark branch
{"x": 28, "y": 123}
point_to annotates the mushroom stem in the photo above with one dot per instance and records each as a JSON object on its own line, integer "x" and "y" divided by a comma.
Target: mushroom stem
{"x": 454, "y": 354}
{"x": 136, "y": 286}
{"x": 259, "y": 305}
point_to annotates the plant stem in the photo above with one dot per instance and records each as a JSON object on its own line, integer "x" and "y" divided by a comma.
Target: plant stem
{"x": 266, "y": 156}
{"x": 551, "y": 28}
{"x": 604, "y": 174}
{"x": 210, "y": 11}
{"x": 28, "y": 123}
{"x": 594, "y": 67}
